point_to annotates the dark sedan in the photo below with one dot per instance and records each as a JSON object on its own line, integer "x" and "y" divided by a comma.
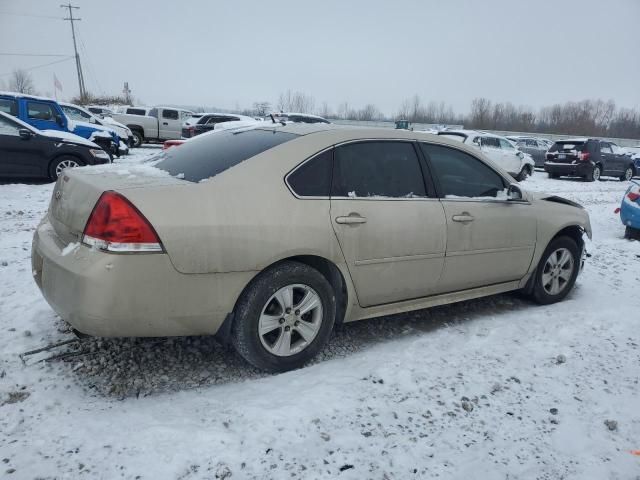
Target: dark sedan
{"x": 208, "y": 122}
{"x": 28, "y": 152}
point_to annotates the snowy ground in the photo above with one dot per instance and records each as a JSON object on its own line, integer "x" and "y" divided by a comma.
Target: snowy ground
{"x": 497, "y": 388}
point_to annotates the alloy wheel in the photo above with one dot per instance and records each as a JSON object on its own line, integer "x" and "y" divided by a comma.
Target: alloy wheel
{"x": 596, "y": 173}
{"x": 557, "y": 272}
{"x": 628, "y": 173}
{"x": 65, "y": 164}
{"x": 290, "y": 320}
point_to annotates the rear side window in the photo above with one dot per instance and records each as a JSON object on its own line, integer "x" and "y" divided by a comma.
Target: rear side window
{"x": 568, "y": 147}
{"x": 170, "y": 114}
{"x": 313, "y": 178}
{"x": 605, "y": 148}
{"x": 461, "y": 175}
{"x": 40, "y": 111}
{"x": 490, "y": 142}
{"x": 135, "y": 111}
{"x": 9, "y": 106}
{"x": 208, "y": 155}
{"x": 7, "y": 127}
{"x": 377, "y": 169}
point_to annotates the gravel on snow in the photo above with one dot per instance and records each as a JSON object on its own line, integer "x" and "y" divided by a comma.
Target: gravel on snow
{"x": 494, "y": 388}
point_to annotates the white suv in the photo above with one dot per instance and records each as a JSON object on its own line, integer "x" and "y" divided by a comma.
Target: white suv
{"x": 499, "y": 149}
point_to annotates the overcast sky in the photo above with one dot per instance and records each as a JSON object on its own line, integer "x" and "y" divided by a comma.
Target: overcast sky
{"x": 232, "y": 53}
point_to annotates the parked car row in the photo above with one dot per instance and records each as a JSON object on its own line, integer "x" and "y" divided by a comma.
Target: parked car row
{"x": 47, "y": 114}
{"x": 28, "y": 152}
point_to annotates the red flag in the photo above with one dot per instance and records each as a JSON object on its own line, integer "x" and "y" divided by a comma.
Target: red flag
{"x": 56, "y": 83}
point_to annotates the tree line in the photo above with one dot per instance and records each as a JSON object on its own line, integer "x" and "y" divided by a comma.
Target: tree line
{"x": 586, "y": 117}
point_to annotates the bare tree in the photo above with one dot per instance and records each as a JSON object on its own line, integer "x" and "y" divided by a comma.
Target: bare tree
{"x": 22, "y": 82}
{"x": 295, "y": 102}
{"x": 261, "y": 108}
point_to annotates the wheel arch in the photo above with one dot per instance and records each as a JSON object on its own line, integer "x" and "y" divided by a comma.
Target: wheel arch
{"x": 58, "y": 155}
{"x": 328, "y": 269}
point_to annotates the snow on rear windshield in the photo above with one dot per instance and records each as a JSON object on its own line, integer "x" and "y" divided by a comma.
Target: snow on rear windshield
{"x": 207, "y": 155}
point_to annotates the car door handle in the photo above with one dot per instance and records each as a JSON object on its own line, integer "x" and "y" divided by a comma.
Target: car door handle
{"x": 165, "y": 123}
{"x": 351, "y": 219}
{"x": 464, "y": 217}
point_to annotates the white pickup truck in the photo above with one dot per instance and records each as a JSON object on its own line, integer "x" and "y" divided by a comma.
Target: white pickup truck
{"x": 159, "y": 124}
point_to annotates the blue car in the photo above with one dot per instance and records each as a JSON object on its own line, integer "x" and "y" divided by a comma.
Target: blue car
{"x": 630, "y": 211}
{"x": 47, "y": 114}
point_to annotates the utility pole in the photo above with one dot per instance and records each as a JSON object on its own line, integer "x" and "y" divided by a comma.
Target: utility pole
{"x": 83, "y": 90}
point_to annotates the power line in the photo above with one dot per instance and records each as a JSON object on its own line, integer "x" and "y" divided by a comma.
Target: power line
{"x": 39, "y": 66}
{"x": 34, "y": 55}
{"x": 29, "y": 15}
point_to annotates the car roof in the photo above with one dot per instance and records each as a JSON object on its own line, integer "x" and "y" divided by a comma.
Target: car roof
{"x": 24, "y": 95}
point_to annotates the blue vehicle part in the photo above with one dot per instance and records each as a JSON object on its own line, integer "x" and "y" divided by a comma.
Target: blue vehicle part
{"x": 630, "y": 208}
{"x": 47, "y": 114}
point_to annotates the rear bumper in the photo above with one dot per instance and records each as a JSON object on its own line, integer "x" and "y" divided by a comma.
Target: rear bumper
{"x": 135, "y": 295}
{"x": 579, "y": 169}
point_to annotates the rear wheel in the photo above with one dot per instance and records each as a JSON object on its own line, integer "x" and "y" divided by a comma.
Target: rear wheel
{"x": 557, "y": 271}
{"x": 628, "y": 174}
{"x": 60, "y": 163}
{"x": 524, "y": 173}
{"x": 138, "y": 138}
{"x": 594, "y": 174}
{"x": 284, "y": 317}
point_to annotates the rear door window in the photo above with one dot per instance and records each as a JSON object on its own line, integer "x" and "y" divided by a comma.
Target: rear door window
{"x": 462, "y": 176}
{"x": 208, "y": 155}
{"x": 490, "y": 142}
{"x": 377, "y": 169}
{"x": 605, "y": 148}
{"x": 9, "y": 105}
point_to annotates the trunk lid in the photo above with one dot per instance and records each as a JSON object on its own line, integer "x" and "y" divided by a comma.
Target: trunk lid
{"x": 77, "y": 191}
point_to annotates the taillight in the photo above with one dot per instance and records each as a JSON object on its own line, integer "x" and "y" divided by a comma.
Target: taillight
{"x": 583, "y": 156}
{"x": 633, "y": 196}
{"x": 115, "y": 225}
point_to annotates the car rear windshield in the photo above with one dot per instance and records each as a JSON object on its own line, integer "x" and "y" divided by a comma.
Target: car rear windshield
{"x": 568, "y": 146}
{"x": 207, "y": 155}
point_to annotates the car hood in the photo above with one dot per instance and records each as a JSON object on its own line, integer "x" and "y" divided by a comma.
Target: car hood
{"x": 67, "y": 137}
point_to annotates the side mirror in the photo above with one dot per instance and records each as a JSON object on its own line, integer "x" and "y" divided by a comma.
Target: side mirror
{"x": 92, "y": 119}
{"x": 514, "y": 194}
{"x": 25, "y": 134}
{"x": 59, "y": 120}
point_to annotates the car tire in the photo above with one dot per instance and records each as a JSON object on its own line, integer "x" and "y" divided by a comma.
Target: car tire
{"x": 628, "y": 174}
{"x": 557, "y": 271}
{"x": 631, "y": 233}
{"x": 594, "y": 174}
{"x": 60, "y": 163}
{"x": 524, "y": 173}
{"x": 138, "y": 138}
{"x": 267, "y": 334}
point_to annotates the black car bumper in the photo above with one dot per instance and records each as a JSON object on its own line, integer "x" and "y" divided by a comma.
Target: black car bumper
{"x": 578, "y": 169}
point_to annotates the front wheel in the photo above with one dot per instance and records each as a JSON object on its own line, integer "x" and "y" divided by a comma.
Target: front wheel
{"x": 628, "y": 174}
{"x": 60, "y": 163}
{"x": 284, "y": 317}
{"x": 557, "y": 271}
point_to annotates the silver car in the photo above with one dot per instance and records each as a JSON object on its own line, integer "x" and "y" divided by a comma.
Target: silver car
{"x": 270, "y": 236}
